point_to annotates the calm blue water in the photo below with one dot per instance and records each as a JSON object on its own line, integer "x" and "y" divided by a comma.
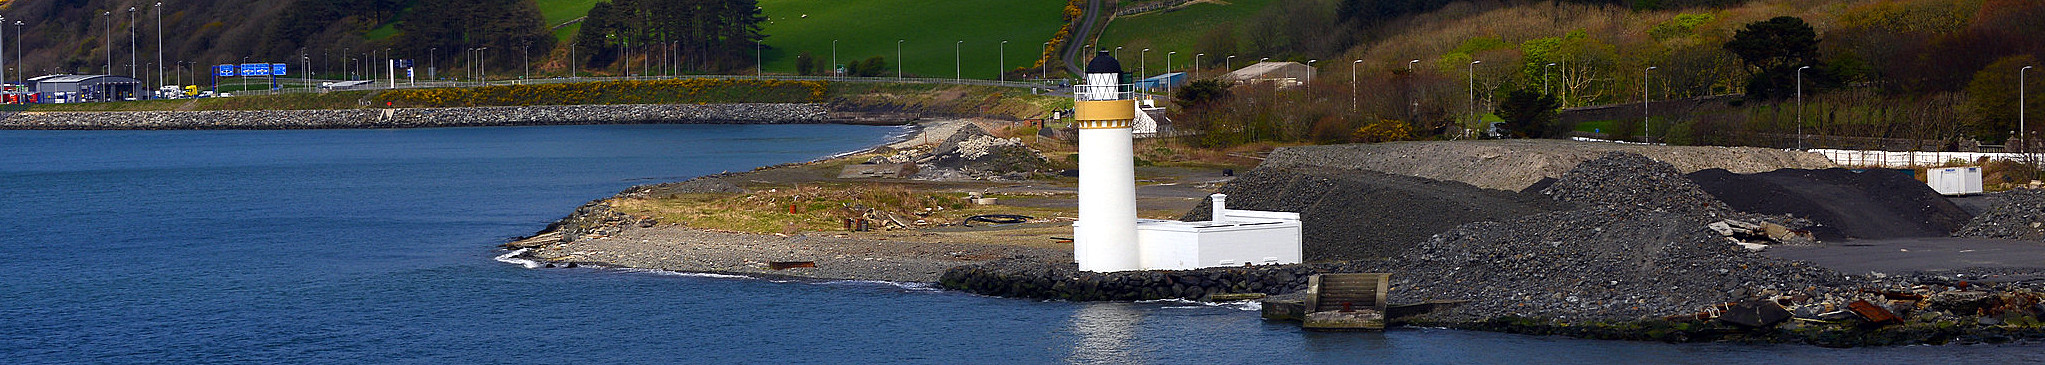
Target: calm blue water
{"x": 376, "y": 246}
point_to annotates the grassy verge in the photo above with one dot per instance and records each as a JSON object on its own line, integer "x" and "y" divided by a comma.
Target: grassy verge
{"x": 968, "y": 32}
{"x": 951, "y": 100}
{"x": 1176, "y": 31}
{"x": 815, "y": 207}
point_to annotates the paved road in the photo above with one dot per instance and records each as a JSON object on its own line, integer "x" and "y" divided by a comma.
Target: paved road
{"x": 1905, "y": 255}
{"x": 1078, "y": 42}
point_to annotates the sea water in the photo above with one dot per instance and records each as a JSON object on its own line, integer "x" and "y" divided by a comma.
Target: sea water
{"x": 379, "y": 246}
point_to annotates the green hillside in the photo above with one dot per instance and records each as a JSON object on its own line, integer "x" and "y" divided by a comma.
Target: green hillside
{"x": 1177, "y": 30}
{"x": 930, "y": 30}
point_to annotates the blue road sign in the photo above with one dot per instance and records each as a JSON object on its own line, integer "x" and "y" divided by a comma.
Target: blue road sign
{"x": 255, "y": 69}
{"x": 277, "y": 69}
{"x": 223, "y": 70}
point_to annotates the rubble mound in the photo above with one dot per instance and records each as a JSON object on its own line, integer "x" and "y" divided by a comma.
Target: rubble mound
{"x": 1356, "y": 214}
{"x": 1628, "y": 180}
{"x": 1515, "y": 164}
{"x": 1639, "y": 247}
{"x": 1873, "y": 204}
{"x": 2017, "y": 214}
{"x": 972, "y": 153}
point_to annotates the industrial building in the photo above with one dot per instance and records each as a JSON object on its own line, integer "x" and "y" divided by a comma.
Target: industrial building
{"x": 85, "y": 88}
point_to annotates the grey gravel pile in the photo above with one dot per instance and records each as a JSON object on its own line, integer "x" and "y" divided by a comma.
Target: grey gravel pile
{"x": 1638, "y": 248}
{"x": 973, "y": 154}
{"x": 1630, "y": 180}
{"x": 2017, "y": 214}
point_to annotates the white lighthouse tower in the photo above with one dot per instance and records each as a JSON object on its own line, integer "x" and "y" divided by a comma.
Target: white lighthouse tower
{"x": 1104, "y": 238}
{"x": 1108, "y": 237}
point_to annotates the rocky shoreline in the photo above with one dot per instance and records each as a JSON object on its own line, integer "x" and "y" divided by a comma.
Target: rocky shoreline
{"x": 750, "y": 113}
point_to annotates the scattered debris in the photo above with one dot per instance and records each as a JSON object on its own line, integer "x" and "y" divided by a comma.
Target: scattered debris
{"x": 784, "y": 265}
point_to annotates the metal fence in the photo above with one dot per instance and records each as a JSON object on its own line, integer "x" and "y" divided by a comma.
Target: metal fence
{"x": 1045, "y": 84}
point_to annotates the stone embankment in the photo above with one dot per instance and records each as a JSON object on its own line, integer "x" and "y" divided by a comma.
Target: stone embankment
{"x": 425, "y": 117}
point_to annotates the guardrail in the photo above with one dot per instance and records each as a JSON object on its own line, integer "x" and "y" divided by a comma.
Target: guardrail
{"x": 1045, "y": 84}
{"x": 1914, "y": 159}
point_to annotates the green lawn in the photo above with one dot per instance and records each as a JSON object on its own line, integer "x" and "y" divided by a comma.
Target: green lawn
{"x": 557, "y": 11}
{"x": 1595, "y": 126}
{"x": 930, "y": 30}
{"x": 1175, "y": 31}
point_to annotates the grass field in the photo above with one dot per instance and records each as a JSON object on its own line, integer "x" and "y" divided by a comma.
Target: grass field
{"x": 1175, "y": 31}
{"x": 930, "y": 30}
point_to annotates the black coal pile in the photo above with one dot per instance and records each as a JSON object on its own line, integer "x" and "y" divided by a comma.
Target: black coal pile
{"x": 1358, "y": 214}
{"x": 1846, "y": 204}
{"x": 2016, "y": 214}
{"x": 1637, "y": 248}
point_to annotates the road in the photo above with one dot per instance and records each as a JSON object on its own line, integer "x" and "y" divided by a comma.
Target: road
{"x": 1075, "y": 45}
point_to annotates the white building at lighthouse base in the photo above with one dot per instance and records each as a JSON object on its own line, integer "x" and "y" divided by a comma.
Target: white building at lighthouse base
{"x": 1233, "y": 238}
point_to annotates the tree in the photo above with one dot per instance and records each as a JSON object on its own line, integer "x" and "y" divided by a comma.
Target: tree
{"x": 805, "y": 64}
{"x": 871, "y": 67}
{"x": 1200, "y": 94}
{"x": 1775, "y": 49}
{"x": 1992, "y": 95}
{"x": 1529, "y": 113}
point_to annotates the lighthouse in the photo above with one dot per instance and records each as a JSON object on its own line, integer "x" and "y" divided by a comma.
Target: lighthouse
{"x": 1108, "y": 237}
{"x": 1104, "y": 238}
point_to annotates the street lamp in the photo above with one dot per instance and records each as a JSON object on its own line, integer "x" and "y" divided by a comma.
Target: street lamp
{"x": 758, "y": 68}
{"x": 1413, "y": 111}
{"x": 1473, "y": 92}
{"x": 1800, "y": 106}
{"x": 20, "y": 70}
{"x": 898, "y": 59}
{"x": 1229, "y": 63}
{"x": 1643, "y": 104}
{"x": 1352, "y": 84}
{"x": 1001, "y": 61}
{"x": 958, "y": 72}
{"x": 1196, "y": 65}
{"x": 1045, "y": 73}
{"x": 1544, "y": 77}
{"x": 159, "y": 45}
{"x": 2022, "y": 134}
{"x": 131, "y": 41}
{"x": 571, "y": 59}
{"x": 109, "y": 68}
{"x": 834, "y": 57}
{"x": 1168, "y": 69}
{"x": 1143, "y": 64}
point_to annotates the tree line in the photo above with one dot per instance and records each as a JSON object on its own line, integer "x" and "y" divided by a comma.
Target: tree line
{"x": 708, "y": 35}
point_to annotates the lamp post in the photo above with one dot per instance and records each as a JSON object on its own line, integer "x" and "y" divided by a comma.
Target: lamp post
{"x": 1352, "y": 84}
{"x": 1196, "y": 66}
{"x": 834, "y": 57}
{"x": 571, "y": 59}
{"x": 1228, "y": 63}
{"x": 20, "y": 69}
{"x": 525, "y": 67}
{"x": 1143, "y": 66}
{"x": 1473, "y": 90}
{"x": 1413, "y": 110}
{"x": 109, "y": 68}
{"x": 2022, "y": 134}
{"x": 1800, "y": 106}
{"x": 1118, "y": 52}
{"x": 159, "y": 46}
{"x": 1643, "y": 104}
{"x": 131, "y": 41}
{"x": 958, "y": 72}
{"x": 1168, "y": 69}
{"x": 898, "y": 59}
{"x": 1001, "y": 61}
{"x": 758, "y": 68}
{"x": 1544, "y": 77}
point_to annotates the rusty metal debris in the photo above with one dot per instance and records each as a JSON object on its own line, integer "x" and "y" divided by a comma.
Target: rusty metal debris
{"x": 784, "y": 265}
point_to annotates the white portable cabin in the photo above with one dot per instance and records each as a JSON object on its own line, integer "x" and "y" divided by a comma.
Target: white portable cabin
{"x": 1954, "y": 180}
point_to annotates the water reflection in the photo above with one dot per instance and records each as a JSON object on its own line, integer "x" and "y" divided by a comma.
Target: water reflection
{"x": 1107, "y": 333}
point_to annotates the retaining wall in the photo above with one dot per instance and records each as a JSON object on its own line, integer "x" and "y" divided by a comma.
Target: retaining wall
{"x": 1028, "y": 279}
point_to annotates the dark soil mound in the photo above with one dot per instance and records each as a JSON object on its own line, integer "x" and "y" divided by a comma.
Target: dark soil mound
{"x": 1631, "y": 181}
{"x": 1355, "y": 214}
{"x": 2017, "y": 214}
{"x": 1845, "y": 204}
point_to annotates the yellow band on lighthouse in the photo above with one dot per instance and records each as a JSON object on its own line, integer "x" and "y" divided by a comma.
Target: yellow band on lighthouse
{"x": 1100, "y": 110}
